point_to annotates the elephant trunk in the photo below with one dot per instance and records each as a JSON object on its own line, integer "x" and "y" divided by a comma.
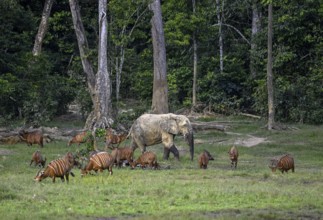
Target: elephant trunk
{"x": 190, "y": 140}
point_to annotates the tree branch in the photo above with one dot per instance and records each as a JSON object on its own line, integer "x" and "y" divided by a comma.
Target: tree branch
{"x": 234, "y": 28}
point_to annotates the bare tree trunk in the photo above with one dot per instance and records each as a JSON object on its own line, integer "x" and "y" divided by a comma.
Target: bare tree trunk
{"x": 270, "y": 88}
{"x": 218, "y": 12}
{"x": 119, "y": 66}
{"x": 83, "y": 46}
{"x": 103, "y": 105}
{"x": 256, "y": 25}
{"x": 194, "y": 60}
{"x": 99, "y": 85}
{"x": 160, "y": 87}
{"x": 42, "y": 27}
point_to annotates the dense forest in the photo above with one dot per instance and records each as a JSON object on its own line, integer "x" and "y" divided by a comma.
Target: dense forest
{"x": 226, "y": 39}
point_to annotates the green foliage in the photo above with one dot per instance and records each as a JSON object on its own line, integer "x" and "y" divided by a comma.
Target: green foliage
{"x": 33, "y": 87}
{"x": 100, "y": 132}
{"x": 142, "y": 79}
{"x": 178, "y": 85}
{"x": 131, "y": 111}
{"x": 37, "y": 89}
{"x": 261, "y": 98}
{"x": 61, "y": 34}
{"x": 175, "y": 30}
{"x": 6, "y": 84}
{"x": 89, "y": 144}
{"x": 83, "y": 98}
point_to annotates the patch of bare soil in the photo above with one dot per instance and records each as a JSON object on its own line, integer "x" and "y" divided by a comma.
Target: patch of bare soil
{"x": 248, "y": 140}
{"x": 240, "y": 140}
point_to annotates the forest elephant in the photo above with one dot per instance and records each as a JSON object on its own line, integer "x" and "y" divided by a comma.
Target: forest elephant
{"x": 151, "y": 129}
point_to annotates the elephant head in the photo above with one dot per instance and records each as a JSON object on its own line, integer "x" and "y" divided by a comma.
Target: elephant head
{"x": 180, "y": 124}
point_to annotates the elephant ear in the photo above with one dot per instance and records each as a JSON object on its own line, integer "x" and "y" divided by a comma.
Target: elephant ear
{"x": 169, "y": 126}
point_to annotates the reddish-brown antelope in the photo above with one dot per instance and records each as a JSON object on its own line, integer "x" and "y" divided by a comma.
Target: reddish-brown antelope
{"x": 204, "y": 158}
{"x": 58, "y": 168}
{"x": 282, "y": 163}
{"x": 38, "y": 159}
{"x": 147, "y": 158}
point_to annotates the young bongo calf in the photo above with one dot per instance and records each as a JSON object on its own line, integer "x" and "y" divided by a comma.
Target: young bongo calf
{"x": 147, "y": 157}
{"x": 38, "y": 159}
{"x": 282, "y": 163}
{"x": 112, "y": 138}
{"x": 58, "y": 168}
{"x": 121, "y": 154}
{"x": 33, "y": 137}
{"x": 79, "y": 138}
{"x": 204, "y": 158}
{"x": 99, "y": 161}
{"x": 233, "y": 154}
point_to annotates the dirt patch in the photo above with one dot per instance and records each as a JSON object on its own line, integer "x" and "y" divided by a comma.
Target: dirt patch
{"x": 249, "y": 141}
{"x": 239, "y": 140}
{"x": 4, "y": 152}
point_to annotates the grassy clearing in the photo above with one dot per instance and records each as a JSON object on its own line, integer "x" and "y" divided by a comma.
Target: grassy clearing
{"x": 181, "y": 192}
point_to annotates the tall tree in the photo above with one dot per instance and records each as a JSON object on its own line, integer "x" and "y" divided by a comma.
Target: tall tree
{"x": 103, "y": 105}
{"x": 99, "y": 84}
{"x": 42, "y": 27}
{"x": 194, "y": 59}
{"x": 160, "y": 86}
{"x": 270, "y": 87}
{"x": 83, "y": 48}
{"x": 219, "y": 10}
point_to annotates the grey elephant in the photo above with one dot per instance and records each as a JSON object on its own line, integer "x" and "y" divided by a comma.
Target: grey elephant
{"x": 151, "y": 129}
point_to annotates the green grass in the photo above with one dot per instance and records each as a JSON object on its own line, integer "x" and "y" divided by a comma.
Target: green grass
{"x": 181, "y": 192}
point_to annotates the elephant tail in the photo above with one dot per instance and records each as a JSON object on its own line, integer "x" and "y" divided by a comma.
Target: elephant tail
{"x": 130, "y": 131}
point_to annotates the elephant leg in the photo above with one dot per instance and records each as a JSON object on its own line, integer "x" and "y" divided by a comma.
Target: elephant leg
{"x": 138, "y": 143}
{"x": 173, "y": 150}
{"x": 169, "y": 146}
{"x": 166, "y": 153}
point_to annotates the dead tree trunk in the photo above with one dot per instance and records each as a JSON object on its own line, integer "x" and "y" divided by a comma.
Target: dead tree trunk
{"x": 194, "y": 61}
{"x": 160, "y": 87}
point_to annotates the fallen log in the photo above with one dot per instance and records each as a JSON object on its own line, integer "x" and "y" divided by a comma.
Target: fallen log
{"x": 250, "y": 115}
